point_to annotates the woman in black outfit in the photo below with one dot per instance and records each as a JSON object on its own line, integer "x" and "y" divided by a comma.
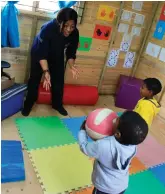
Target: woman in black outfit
{"x": 47, "y": 58}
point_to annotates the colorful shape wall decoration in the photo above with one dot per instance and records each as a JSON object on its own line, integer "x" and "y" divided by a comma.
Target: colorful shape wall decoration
{"x": 135, "y": 31}
{"x": 160, "y": 30}
{"x": 126, "y": 42}
{"x": 106, "y": 13}
{"x": 162, "y": 15}
{"x": 102, "y": 32}
{"x": 126, "y": 15}
{"x": 162, "y": 55}
{"x": 84, "y": 43}
{"x": 139, "y": 19}
{"x": 153, "y": 49}
{"x": 113, "y": 58}
{"x": 123, "y": 28}
{"x": 137, "y": 5}
{"x": 129, "y": 59}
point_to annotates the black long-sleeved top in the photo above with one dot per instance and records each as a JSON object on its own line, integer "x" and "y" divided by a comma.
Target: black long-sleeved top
{"x": 50, "y": 43}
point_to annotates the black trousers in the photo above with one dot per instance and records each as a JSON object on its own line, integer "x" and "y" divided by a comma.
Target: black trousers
{"x": 96, "y": 191}
{"x": 57, "y": 84}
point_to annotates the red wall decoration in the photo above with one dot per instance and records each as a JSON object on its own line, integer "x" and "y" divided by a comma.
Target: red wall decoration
{"x": 102, "y": 32}
{"x": 162, "y": 15}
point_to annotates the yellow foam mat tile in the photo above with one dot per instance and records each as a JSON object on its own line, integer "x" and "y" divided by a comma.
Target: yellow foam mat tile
{"x": 62, "y": 169}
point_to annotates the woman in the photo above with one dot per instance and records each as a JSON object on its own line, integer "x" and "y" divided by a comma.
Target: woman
{"x": 47, "y": 58}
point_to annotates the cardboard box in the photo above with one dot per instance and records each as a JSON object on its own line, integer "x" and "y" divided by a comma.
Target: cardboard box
{"x": 6, "y": 83}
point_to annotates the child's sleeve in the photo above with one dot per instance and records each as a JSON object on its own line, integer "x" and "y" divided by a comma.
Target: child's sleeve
{"x": 72, "y": 48}
{"x": 90, "y": 149}
{"x": 146, "y": 111}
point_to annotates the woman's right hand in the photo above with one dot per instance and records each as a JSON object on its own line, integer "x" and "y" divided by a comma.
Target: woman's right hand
{"x": 47, "y": 83}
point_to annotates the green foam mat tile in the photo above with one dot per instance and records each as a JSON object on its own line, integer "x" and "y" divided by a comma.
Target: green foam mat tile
{"x": 43, "y": 132}
{"x": 145, "y": 183}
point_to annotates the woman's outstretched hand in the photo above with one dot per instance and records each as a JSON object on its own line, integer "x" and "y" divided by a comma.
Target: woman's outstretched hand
{"x": 73, "y": 68}
{"x": 47, "y": 83}
{"x": 75, "y": 72}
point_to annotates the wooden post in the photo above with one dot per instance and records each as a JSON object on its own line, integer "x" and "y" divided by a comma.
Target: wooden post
{"x": 145, "y": 39}
{"x": 161, "y": 96}
{"x": 110, "y": 46}
{"x": 33, "y": 33}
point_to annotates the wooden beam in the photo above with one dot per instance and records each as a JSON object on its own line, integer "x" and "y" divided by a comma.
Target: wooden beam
{"x": 152, "y": 18}
{"x": 110, "y": 45}
{"x": 162, "y": 94}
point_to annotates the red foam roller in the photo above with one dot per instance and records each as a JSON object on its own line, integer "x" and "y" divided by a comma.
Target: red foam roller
{"x": 73, "y": 95}
{"x": 44, "y": 97}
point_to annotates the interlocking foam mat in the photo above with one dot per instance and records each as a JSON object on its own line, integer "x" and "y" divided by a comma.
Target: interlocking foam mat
{"x": 145, "y": 183}
{"x": 136, "y": 166}
{"x": 150, "y": 152}
{"x": 159, "y": 172}
{"x": 61, "y": 167}
{"x": 74, "y": 124}
{"x": 12, "y": 163}
{"x": 43, "y": 132}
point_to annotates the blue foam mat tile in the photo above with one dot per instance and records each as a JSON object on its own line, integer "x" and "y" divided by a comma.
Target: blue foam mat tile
{"x": 74, "y": 124}
{"x": 12, "y": 163}
{"x": 119, "y": 114}
{"x": 159, "y": 172}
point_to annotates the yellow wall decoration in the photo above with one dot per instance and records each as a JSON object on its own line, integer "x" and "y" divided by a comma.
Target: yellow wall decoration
{"x": 106, "y": 13}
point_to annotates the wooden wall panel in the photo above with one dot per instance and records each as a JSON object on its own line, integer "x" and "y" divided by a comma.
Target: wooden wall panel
{"x": 150, "y": 66}
{"x": 95, "y": 58}
{"x": 89, "y": 63}
{"x": 108, "y": 82}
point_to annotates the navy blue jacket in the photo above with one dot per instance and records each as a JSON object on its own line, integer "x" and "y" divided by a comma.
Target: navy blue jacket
{"x": 50, "y": 44}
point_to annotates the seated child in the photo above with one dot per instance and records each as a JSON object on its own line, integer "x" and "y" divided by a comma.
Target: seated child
{"x": 148, "y": 107}
{"x": 113, "y": 154}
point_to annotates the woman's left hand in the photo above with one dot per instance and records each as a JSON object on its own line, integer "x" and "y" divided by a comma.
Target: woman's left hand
{"x": 73, "y": 68}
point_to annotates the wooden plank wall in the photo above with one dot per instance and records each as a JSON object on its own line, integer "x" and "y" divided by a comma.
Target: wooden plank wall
{"x": 111, "y": 75}
{"x": 150, "y": 66}
{"x": 90, "y": 63}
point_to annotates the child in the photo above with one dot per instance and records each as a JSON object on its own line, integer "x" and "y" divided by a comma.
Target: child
{"x": 113, "y": 154}
{"x": 148, "y": 107}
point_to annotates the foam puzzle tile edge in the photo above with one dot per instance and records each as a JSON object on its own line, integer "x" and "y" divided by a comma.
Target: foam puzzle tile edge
{"x": 69, "y": 131}
{"x": 157, "y": 165}
{"x": 24, "y": 141}
{"x": 45, "y": 148}
{"x": 40, "y": 179}
{"x": 134, "y": 173}
{"x": 36, "y": 172}
{"x": 64, "y": 123}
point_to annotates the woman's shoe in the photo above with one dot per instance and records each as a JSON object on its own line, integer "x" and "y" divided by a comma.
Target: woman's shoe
{"x": 25, "y": 112}
{"x": 61, "y": 110}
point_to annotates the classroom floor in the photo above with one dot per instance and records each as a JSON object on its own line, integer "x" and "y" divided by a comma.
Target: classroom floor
{"x": 9, "y": 132}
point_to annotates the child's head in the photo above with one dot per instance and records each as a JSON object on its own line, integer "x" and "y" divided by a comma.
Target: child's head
{"x": 131, "y": 128}
{"x": 150, "y": 88}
